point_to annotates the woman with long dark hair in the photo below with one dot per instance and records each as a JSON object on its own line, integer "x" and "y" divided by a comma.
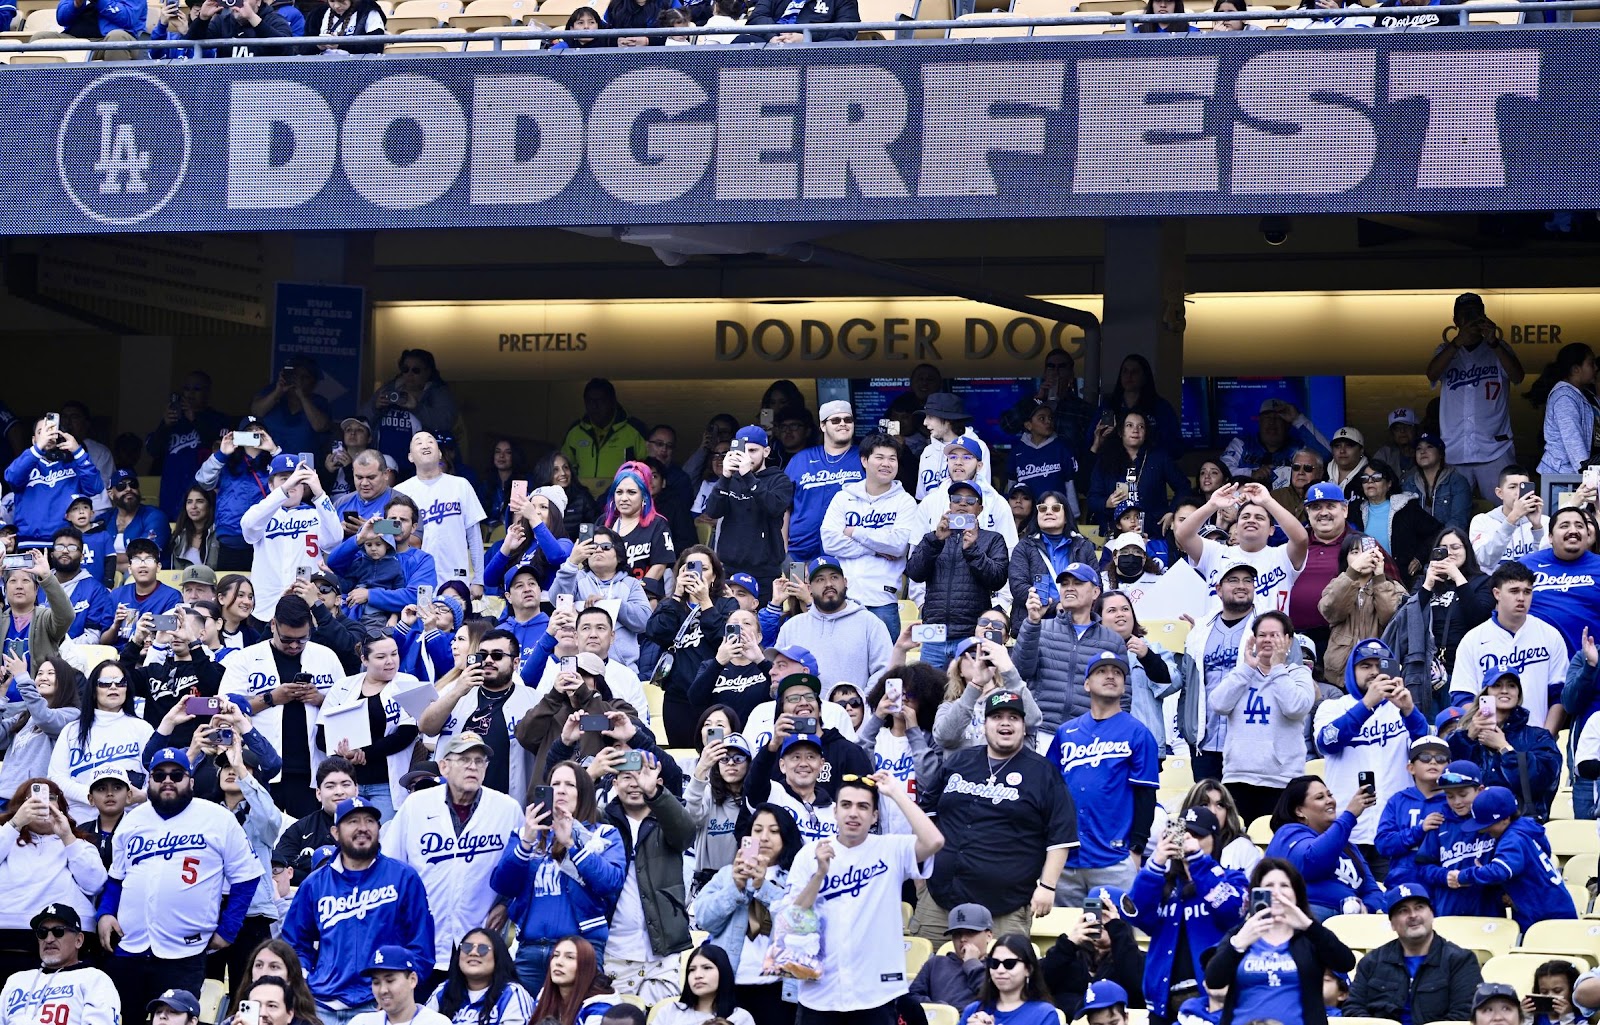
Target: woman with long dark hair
{"x": 1310, "y": 833}
{"x": 713, "y": 793}
{"x": 708, "y": 991}
{"x": 1134, "y": 468}
{"x": 42, "y": 862}
{"x": 1153, "y": 674}
{"x": 735, "y": 907}
{"x": 574, "y": 977}
{"x": 688, "y": 626}
{"x": 380, "y": 764}
{"x": 506, "y": 464}
{"x": 420, "y": 389}
{"x": 1135, "y": 390}
{"x": 536, "y": 537}
{"x": 594, "y": 569}
{"x": 1357, "y": 603}
{"x": 236, "y": 597}
{"x": 1233, "y": 847}
{"x": 194, "y": 540}
{"x": 274, "y": 958}
{"x": 1056, "y": 544}
{"x": 108, "y": 726}
{"x": 1013, "y": 990}
{"x": 1566, "y": 391}
{"x": 1272, "y": 963}
{"x": 581, "y": 19}
{"x": 482, "y": 987}
{"x": 1455, "y": 591}
{"x": 49, "y": 705}
{"x": 555, "y": 468}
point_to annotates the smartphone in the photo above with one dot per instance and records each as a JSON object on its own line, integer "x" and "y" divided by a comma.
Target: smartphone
{"x": 41, "y": 791}
{"x": 1367, "y": 543}
{"x": 303, "y": 572}
{"x": 1525, "y": 488}
{"x": 994, "y": 634}
{"x": 17, "y": 561}
{"x": 1591, "y": 477}
{"x": 424, "y": 598}
{"x": 519, "y": 491}
{"x": 202, "y": 706}
{"x": 797, "y": 574}
{"x": 748, "y": 848}
{"x": 299, "y": 678}
{"x": 930, "y": 633}
{"x": 545, "y": 797}
{"x": 1091, "y": 911}
{"x": 306, "y": 459}
{"x": 1440, "y": 554}
{"x": 1486, "y": 706}
{"x": 1260, "y": 900}
{"x": 54, "y": 420}
{"x": 164, "y": 622}
{"x": 390, "y": 527}
{"x": 1542, "y": 1003}
{"x": 569, "y": 664}
{"x": 893, "y": 690}
{"x": 715, "y": 734}
{"x": 223, "y": 737}
{"x": 563, "y": 603}
{"x": 477, "y": 658}
{"x": 1045, "y": 587}
{"x": 1367, "y": 781}
{"x": 247, "y": 439}
{"x": 249, "y": 1012}
{"x": 805, "y": 724}
{"x": 585, "y": 532}
{"x": 1388, "y": 667}
{"x": 961, "y": 521}
{"x": 765, "y": 419}
{"x": 733, "y": 633}
{"x": 633, "y": 761}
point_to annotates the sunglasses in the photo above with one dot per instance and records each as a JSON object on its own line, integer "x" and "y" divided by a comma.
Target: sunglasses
{"x": 1008, "y": 963}
{"x": 964, "y": 499}
{"x": 496, "y": 656}
{"x": 481, "y": 949}
{"x": 1434, "y": 759}
{"x": 1304, "y": 467}
{"x": 56, "y": 931}
{"x": 168, "y": 775}
{"x": 848, "y": 702}
{"x": 839, "y": 421}
{"x": 733, "y": 759}
{"x": 110, "y": 683}
{"x": 604, "y": 546}
{"x": 325, "y": 589}
{"x": 1372, "y": 478}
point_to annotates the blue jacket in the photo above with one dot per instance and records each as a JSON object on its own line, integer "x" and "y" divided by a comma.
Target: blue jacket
{"x": 1047, "y": 467}
{"x": 1332, "y": 866}
{"x": 412, "y": 642}
{"x": 240, "y": 483}
{"x": 179, "y": 449}
{"x": 497, "y": 572}
{"x": 1157, "y": 474}
{"x": 97, "y": 19}
{"x": 1538, "y": 749}
{"x": 1448, "y": 848}
{"x": 1340, "y": 734}
{"x": 100, "y": 554}
{"x": 44, "y": 489}
{"x": 1522, "y": 865}
{"x": 354, "y": 503}
{"x": 149, "y": 523}
{"x": 1216, "y": 907}
{"x": 1400, "y": 832}
{"x": 551, "y": 899}
{"x": 534, "y": 644}
{"x": 722, "y": 909}
{"x": 339, "y": 917}
{"x": 92, "y": 608}
{"x": 417, "y": 564}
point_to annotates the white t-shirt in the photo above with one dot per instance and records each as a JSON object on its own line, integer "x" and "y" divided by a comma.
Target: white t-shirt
{"x": 1275, "y": 573}
{"x": 447, "y": 508}
{"x": 630, "y": 937}
{"x": 424, "y": 1016}
{"x": 1474, "y": 414}
{"x": 863, "y": 955}
{"x": 1537, "y": 653}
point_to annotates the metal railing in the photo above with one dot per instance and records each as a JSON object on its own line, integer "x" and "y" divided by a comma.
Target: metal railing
{"x": 892, "y": 31}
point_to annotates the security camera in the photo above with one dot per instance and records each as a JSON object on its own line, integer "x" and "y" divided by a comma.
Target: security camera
{"x": 1275, "y": 230}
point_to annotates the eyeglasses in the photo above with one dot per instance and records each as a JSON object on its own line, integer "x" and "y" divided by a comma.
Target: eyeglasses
{"x": 1008, "y": 963}
{"x": 480, "y": 949}
{"x": 839, "y": 421}
{"x": 496, "y": 656}
{"x": 477, "y": 762}
{"x": 848, "y": 702}
{"x": 1372, "y": 478}
{"x": 866, "y": 781}
{"x": 151, "y": 559}
{"x": 299, "y": 642}
{"x": 604, "y": 546}
{"x": 58, "y": 546}
{"x": 56, "y": 931}
{"x": 964, "y": 500}
{"x": 126, "y": 485}
{"x": 1304, "y": 467}
{"x": 111, "y": 683}
{"x": 168, "y": 775}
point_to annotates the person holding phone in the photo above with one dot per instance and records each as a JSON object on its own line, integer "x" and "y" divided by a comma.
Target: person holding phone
{"x": 961, "y": 564}
{"x": 45, "y": 477}
{"x": 740, "y": 675}
{"x": 1507, "y": 747}
{"x": 688, "y": 626}
{"x": 1514, "y": 528}
{"x": 752, "y": 500}
{"x": 273, "y": 1004}
{"x": 1311, "y": 834}
{"x": 1514, "y": 639}
{"x": 1097, "y": 951}
{"x": 576, "y": 703}
{"x": 1272, "y": 962}
{"x": 533, "y": 537}
{"x": 594, "y": 574}
{"x": 42, "y": 862}
{"x": 237, "y": 470}
{"x": 714, "y": 793}
{"x": 1358, "y": 602}
{"x": 1474, "y": 370}
{"x": 289, "y": 528}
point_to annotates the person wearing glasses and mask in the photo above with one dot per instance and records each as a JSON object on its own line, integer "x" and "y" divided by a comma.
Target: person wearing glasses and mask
{"x": 85, "y": 994}
{"x": 819, "y": 473}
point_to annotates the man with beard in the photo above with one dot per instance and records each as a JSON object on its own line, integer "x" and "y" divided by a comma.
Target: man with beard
{"x": 486, "y": 699}
{"x": 130, "y": 518}
{"x": 851, "y": 642}
{"x": 347, "y": 908}
{"x": 92, "y": 607}
{"x": 1564, "y": 576}
{"x": 62, "y": 990}
{"x": 46, "y": 477}
{"x": 164, "y": 906}
{"x": 1328, "y": 513}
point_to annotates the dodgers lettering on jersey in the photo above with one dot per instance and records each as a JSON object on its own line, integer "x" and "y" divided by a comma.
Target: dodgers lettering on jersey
{"x": 1562, "y": 582}
{"x": 52, "y": 992}
{"x": 164, "y": 845}
{"x": 1372, "y": 732}
{"x": 1516, "y": 660}
{"x": 80, "y": 760}
{"x": 1102, "y": 761}
{"x": 436, "y": 847}
{"x": 293, "y": 524}
{"x": 1459, "y": 379}
{"x": 871, "y": 519}
{"x": 1072, "y": 756}
{"x": 827, "y": 478}
{"x": 38, "y": 477}
{"x": 331, "y": 910}
{"x": 850, "y": 882}
{"x": 1464, "y": 853}
{"x": 438, "y": 512}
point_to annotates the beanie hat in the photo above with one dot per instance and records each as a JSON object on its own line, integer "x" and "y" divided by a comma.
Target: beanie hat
{"x": 451, "y": 602}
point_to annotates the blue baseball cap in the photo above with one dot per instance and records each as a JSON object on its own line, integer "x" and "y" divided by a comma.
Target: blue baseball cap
{"x": 122, "y": 477}
{"x": 1326, "y": 491}
{"x": 1495, "y": 804}
{"x": 1460, "y": 773}
{"x": 1427, "y": 438}
{"x": 743, "y": 580}
{"x": 751, "y": 435}
{"x": 350, "y": 805}
{"x": 1369, "y": 649}
{"x": 820, "y": 563}
{"x": 322, "y": 855}
{"x": 283, "y": 462}
{"x": 1395, "y": 896}
{"x": 794, "y": 653}
{"x": 963, "y": 646}
{"x": 1103, "y": 993}
{"x": 967, "y": 445}
{"x": 180, "y": 1000}
{"x": 1450, "y": 714}
{"x": 1494, "y": 674}
{"x": 1105, "y": 658}
{"x": 1080, "y": 571}
{"x": 800, "y": 738}
{"x": 391, "y": 957}
{"x": 178, "y": 756}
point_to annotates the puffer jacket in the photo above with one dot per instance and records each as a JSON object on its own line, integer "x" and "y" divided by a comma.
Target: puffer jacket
{"x": 1539, "y": 752}
{"x": 1047, "y": 554}
{"x": 961, "y": 581}
{"x": 1052, "y": 657}
{"x": 1440, "y": 990}
{"x": 1355, "y": 608}
{"x": 657, "y": 860}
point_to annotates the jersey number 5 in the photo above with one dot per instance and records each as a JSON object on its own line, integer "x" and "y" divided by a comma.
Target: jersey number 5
{"x": 190, "y": 873}
{"x": 311, "y": 546}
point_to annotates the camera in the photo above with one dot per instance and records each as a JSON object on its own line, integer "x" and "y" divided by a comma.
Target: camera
{"x": 928, "y": 633}
{"x": 1275, "y": 230}
{"x": 962, "y": 521}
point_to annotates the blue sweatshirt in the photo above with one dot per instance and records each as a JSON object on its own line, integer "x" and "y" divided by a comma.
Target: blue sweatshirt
{"x": 1539, "y": 752}
{"x": 1522, "y": 865}
{"x": 44, "y": 488}
{"x": 1216, "y": 907}
{"x": 354, "y": 503}
{"x": 97, "y": 19}
{"x": 497, "y": 572}
{"x": 817, "y": 478}
{"x": 92, "y": 608}
{"x": 339, "y": 917}
{"x": 1449, "y": 848}
{"x": 412, "y": 642}
{"x": 574, "y": 896}
{"x": 1400, "y": 832}
{"x": 157, "y": 602}
{"x": 417, "y": 564}
{"x": 1333, "y": 868}
{"x": 1564, "y": 593}
{"x": 149, "y": 523}
{"x": 530, "y": 637}
{"x": 1045, "y": 467}
{"x": 99, "y": 554}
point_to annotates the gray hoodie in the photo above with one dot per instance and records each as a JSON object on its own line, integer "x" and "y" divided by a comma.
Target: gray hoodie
{"x": 851, "y": 645}
{"x": 33, "y": 741}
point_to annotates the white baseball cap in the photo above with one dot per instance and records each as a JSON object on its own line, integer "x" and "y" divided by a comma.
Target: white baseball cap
{"x": 837, "y": 407}
{"x": 1127, "y": 539}
{"x": 1403, "y": 415}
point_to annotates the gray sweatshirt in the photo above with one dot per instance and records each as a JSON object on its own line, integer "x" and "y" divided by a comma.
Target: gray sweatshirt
{"x": 851, "y": 645}
{"x": 1266, "y": 715}
{"x": 33, "y": 741}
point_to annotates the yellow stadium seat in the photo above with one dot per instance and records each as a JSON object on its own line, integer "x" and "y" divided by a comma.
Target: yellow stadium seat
{"x": 1564, "y": 935}
{"x": 170, "y": 577}
{"x": 1316, "y": 766}
{"x": 918, "y": 950}
{"x": 1517, "y": 969}
{"x": 1561, "y": 807}
{"x": 1361, "y": 932}
{"x": 36, "y": 21}
{"x": 1169, "y": 633}
{"x": 94, "y": 654}
{"x": 906, "y": 911}
{"x": 941, "y": 1014}
{"x": 988, "y": 31}
{"x": 51, "y": 57}
{"x": 617, "y": 998}
{"x": 1589, "y": 958}
{"x": 887, "y": 10}
{"x": 1475, "y": 932}
{"x": 655, "y": 696}
{"x": 422, "y": 14}
{"x": 212, "y": 994}
{"x": 1580, "y": 868}
{"x": 492, "y": 14}
{"x": 1572, "y": 836}
{"x": 1581, "y": 899}
{"x": 554, "y": 14}
{"x": 1177, "y": 773}
{"x": 1048, "y": 927}
{"x": 1261, "y": 830}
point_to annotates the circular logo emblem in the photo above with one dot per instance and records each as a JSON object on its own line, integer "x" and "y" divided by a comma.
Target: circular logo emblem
{"x": 1013, "y": 778}
{"x": 123, "y": 147}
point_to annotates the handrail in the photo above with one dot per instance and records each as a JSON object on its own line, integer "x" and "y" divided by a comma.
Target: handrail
{"x": 890, "y": 28}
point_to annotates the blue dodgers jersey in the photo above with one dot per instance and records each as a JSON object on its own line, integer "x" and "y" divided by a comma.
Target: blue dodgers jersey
{"x": 817, "y": 478}
{"x": 1102, "y": 761}
{"x": 1564, "y": 593}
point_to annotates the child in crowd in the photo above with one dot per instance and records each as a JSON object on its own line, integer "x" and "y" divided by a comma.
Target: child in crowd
{"x": 1335, "y": 991}
{"x": 380, "y": 570}
{"x": 1411, "y": 814}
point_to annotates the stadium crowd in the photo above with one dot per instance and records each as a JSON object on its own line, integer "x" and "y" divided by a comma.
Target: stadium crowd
{"x": 815, "y": 725}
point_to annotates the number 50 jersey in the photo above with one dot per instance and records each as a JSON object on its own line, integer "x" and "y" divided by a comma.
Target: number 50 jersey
{"x": 79, "y": 995}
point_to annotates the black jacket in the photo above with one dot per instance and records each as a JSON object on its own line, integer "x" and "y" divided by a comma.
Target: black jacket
{"x": 225, "y": 26}
{"x": 1313, "y": 950}
{"x": 301, "y": 840}
{"x": 341, "y": 634}
{"x": 657, "y": 860}
{"x": 947, "y": 979}
{"x": 1068, "y": 972}
{"x": 1411, "y": 532}
{"x": 751, "y": 507}
{"x": 1028, "y": 560}
{"x": 690, "y": 646}
{"x": 1441, "y": 991}
{"x": 814, "y": 12}
{"x": 961, "y": 581}
{"x": 840, "y": 757}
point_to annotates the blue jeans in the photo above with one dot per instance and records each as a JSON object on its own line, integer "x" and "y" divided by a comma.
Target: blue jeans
{"x": 889, "y": 612}
{"x": 330, "y": 1016}
{"x": 382, "y": 799}
{"x": 937, "y": 654}
{"x": 533, "y": 957}
{"x": 1583, "y": 798}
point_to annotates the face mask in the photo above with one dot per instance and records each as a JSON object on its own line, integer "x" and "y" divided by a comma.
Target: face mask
{"x": 1130, "y": 567}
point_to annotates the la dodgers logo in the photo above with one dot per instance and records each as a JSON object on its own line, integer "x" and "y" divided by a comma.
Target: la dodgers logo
{"x": 123, "y": 147}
